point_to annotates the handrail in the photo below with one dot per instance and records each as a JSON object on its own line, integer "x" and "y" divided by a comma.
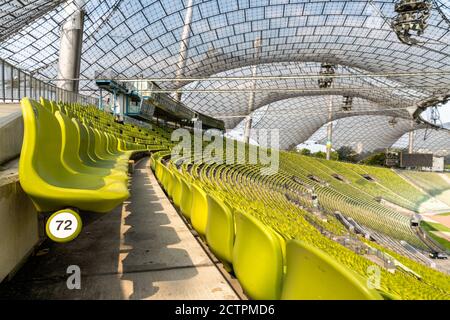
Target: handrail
{"x": 16, "y": 84}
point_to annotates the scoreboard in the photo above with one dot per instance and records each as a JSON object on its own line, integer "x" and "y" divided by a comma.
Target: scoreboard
{"x": 416, "y": 160}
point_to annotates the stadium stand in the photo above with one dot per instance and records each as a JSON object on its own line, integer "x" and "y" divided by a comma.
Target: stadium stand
{"x": 435, "y": 184}
{"x": 242, "y": 215}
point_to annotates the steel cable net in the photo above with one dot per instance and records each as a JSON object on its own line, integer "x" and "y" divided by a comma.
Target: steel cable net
{"x": 142, "y": 39}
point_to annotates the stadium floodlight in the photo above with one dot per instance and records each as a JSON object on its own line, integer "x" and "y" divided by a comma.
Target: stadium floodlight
{"x": 327, "y": 72}
{"x": 412, "y": 16}
{"x": 435, "y": 116}
{"x": 348, "y": 103}
{"x": 393, "y": 122}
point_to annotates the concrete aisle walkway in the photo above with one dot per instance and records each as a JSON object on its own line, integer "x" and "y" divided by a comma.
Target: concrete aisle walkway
{"x": 142, "y": 250}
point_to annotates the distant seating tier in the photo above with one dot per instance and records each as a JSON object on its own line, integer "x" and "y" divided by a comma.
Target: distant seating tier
{"x": 257, "y": 225}
{"x": 268, "y": 242}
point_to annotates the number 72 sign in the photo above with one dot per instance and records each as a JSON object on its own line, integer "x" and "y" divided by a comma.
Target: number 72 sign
{"x": 63, "y": 226}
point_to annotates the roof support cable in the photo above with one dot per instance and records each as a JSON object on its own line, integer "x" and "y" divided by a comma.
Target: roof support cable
{"x": 438, "y": 5}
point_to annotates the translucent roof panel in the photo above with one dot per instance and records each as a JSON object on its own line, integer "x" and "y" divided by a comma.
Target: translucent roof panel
{"x": 142, "y": 38}
{"x": 228, "y": 99}
{"x": 366, "y": 134}
{"x": 428, "y": 141}
{"x": 300, "y": 117}
{"x": 16, "y": 14}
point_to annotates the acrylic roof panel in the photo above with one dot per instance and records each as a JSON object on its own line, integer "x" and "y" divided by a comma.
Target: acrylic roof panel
{"x": 428, "y": 141}
{"x": 15, "y": 14}
{"x": 138, "y": 38}
{"x": 367, "y": 133}
{"x": 223, "y": 98}
{"x": 300, "y": 117}
{"x": 352, "y": 33}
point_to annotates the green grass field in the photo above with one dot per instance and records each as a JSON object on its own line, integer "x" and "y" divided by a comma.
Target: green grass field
{"x": 444, "y": 214}
{"x": 429, "y": 227}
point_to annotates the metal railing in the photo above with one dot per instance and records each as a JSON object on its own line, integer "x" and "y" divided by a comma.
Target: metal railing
{"x": 16, "y": 84}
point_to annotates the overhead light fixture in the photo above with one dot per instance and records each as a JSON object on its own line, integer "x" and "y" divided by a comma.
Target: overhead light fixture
{"x": 412, "y": 16}
{"x": 348, "y": 103}
{"x": 435, "y": 116}
{"x": 393, "y": 122}
{"x": 326, "y": 72}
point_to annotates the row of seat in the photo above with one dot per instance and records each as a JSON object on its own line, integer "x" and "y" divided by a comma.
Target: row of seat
{"x": 238, "y": 239}
{"x": 242, "y": 215}
{"x": 349, "y": 199}
{"x": 72, "y": 162}
{"x": 242, "y": 189}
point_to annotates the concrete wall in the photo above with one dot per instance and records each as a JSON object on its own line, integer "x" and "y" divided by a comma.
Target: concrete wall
{"x": 11, "y": 136}
{"x": 18, "y": 226}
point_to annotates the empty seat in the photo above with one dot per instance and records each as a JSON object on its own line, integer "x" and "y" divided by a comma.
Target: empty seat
{"x": 186, "y": 198}
{"x": 50, "y": 185}
{"x": 314, "y": 275}
{"x": 220, "y": 230}
{"x": 87, "y": 154}
{"x": 257, "y": 258}
{"x": 199, "y": 209}
{"x": 176, "y": 188}
{"x": 70, "y": 156}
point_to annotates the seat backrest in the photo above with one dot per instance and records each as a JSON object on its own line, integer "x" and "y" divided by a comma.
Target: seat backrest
{"x": 199, "y": 210}
{"x": 112, "y": 143}
{"x": 84, "y": 151}
{"x": 186, "y": 198}
{"x": 41, "y": 151}
{"x": 158, "y": 169}
{"x": 176, "y": 187}
{"x": 257, "y": 258}
{"x": 220, "y": 229}
{"x": 48, "y": 105}
{"x": 70, "y": 142}
{"x": 314, "y": 275}
{"x": 100, "y": 145}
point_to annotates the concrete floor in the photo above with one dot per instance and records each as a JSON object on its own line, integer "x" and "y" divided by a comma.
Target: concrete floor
{"x": 141, "y": 250}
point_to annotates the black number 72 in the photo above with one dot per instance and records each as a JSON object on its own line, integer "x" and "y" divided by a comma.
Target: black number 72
{"x": 67, "y": 227}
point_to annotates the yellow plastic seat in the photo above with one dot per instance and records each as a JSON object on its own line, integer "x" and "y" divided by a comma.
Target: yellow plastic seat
{"x": 158, "y": 170}
{"x": 46, "y": 180}
{"x": 101, "y": 148}
{"x": 220, "y": 230}
{"x": 70, "y": 152}
{"x": 186, "y": 198}
{"x": 176, "y": 188}
{"x": 257, "y": 258}
{"x": 166, "y": 179}
{"x": 199, "y": 210}
{"x": 314, "y": 275}
{"x": 113, "y": 147}
{"x": 94, "y": 150}
{"x": 87, "y": 152}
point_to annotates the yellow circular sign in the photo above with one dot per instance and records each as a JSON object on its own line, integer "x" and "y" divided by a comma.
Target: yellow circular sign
{"x": 63, "y": 226}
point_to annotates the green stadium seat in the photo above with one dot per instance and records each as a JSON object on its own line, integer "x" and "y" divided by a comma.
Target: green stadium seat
{"x": 70, "y": 157}
{"x": 87, "y": 153}
{"x": 314, "y": 275}
{"x": 199, "y": 209}
{"x": 47, "y": 181}
{"x": 257, "y": 258}
{"x": 176, "y": 188}
{"x": 220, "y": 230}
{"x": 186, "y": 198}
